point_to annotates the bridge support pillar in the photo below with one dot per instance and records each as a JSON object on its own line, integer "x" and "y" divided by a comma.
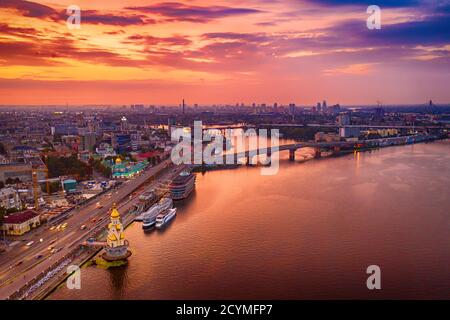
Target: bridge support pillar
{"x": 235, "y": 159}
{"x": 317, "y": 154}
{"x": 292, "y": 155}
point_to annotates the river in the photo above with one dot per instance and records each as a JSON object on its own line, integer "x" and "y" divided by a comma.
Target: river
{"x": 309, "y": 232}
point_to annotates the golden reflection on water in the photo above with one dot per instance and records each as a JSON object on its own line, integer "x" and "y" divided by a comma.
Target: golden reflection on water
{"x": 308, "y": 232}
{"x": 357, "y": 157}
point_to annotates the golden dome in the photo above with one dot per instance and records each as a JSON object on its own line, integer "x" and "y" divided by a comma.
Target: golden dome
{"x": 118, "y": 160}
{"x": 112, "y": 237}
{"x": 114, "y": 213}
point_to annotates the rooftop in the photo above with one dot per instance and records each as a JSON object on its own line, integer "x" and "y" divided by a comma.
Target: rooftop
{"x": 7, "y": 190}
{"x": 20, "y": 217}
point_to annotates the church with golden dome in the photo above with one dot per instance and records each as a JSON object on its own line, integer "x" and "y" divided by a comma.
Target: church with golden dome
{"x": 116, "y": 245}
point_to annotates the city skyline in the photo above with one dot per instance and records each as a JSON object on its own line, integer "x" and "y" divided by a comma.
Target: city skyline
{"x": 234, "y": 51}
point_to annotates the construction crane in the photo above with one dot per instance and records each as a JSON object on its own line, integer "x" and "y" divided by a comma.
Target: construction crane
{"x": 34, "y": 173}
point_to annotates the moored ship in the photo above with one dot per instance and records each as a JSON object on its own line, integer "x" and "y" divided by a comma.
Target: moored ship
{"x": 163, "y": 218}
{"x": 181, "y": 187}
{"x": 146, "y": 200}
{"x": 149, "y": 218}
{"x": 165, "y": 203}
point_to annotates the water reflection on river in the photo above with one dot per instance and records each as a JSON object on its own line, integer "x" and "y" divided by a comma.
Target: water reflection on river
{"x": 308, "y": 232}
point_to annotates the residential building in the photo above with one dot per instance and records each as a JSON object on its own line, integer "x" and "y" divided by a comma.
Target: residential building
{"x": 9, "y": 198}
{"x": 20, "y": 223}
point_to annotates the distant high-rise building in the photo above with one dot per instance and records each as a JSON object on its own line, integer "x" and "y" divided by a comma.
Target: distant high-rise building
{"x": 319, "y": 107}
{"x": 343, "y": 119}
{"x": 292, "y": 108}
{"x": 123, "y": 123}
{"x": 184, "y": 107}
{"x": 87, "y": 142}
{"x": 121, "y": 142}
{"x": 379, "y": 113}
{"x": 335, "y": 108}
{"x": 324, "y": 106}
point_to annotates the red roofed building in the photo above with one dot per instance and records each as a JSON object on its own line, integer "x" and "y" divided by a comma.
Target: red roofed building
{"x": 149, "y": 154}
{"x": 17, "y": 224}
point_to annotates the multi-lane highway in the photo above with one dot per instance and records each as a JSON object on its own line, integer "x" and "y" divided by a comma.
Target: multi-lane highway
{"x": 18, "y": 267}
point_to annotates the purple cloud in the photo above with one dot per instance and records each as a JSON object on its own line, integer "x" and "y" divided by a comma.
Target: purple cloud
{"x": 36, "y": 10}
{"x": 174, "y": 11}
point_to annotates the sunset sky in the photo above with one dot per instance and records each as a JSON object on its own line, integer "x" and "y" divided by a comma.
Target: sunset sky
{"x": 262, "y": 51}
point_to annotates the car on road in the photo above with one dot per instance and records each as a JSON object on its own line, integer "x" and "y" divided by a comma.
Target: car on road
{"x": 53, "y": 251}
{"x": 19, "y": 263}
{"x": 50, "y": 248}
{"x": 91, "y": 239}
{"x": 53, "y": 228}
{"x": 39, "y": 256}
{"x": 64, "y": 225}
{"x": 99, "y": 205}
{"x": 30, "y": 243}
{"x": 93, "y": 220}
{"x": 83, "y": 227}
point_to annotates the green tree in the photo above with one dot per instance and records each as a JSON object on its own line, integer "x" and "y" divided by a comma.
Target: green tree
{"x": 54, "y": 186}
{"x": 68, "y": 166}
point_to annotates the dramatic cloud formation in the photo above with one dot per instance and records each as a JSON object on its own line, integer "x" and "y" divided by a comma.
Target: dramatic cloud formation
{"x": 174, "y": 11}
{"x": 380, "y": 3}
{"x": 36, "y": 10}
{"x": 232, "y": 51}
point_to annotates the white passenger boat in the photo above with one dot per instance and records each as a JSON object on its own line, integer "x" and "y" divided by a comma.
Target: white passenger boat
{"x": 163, "y": 218}
{"x": 149, "y": 217}
{"x": 165, "y": 203}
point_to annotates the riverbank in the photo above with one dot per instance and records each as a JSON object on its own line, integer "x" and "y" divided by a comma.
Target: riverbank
{"x": 308, "y": 232}
{"x": 356, "y": 146}
{"x": 127, "y": 219}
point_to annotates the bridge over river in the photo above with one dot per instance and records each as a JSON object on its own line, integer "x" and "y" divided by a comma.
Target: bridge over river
{"x": 336, "y": 147}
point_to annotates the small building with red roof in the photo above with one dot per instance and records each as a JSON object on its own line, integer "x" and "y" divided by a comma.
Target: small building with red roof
{"x": 19, "y": 223}
{"x": 149, "y": 154}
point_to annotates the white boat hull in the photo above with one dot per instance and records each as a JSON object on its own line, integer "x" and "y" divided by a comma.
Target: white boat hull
{"x": 161, "y": 222}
